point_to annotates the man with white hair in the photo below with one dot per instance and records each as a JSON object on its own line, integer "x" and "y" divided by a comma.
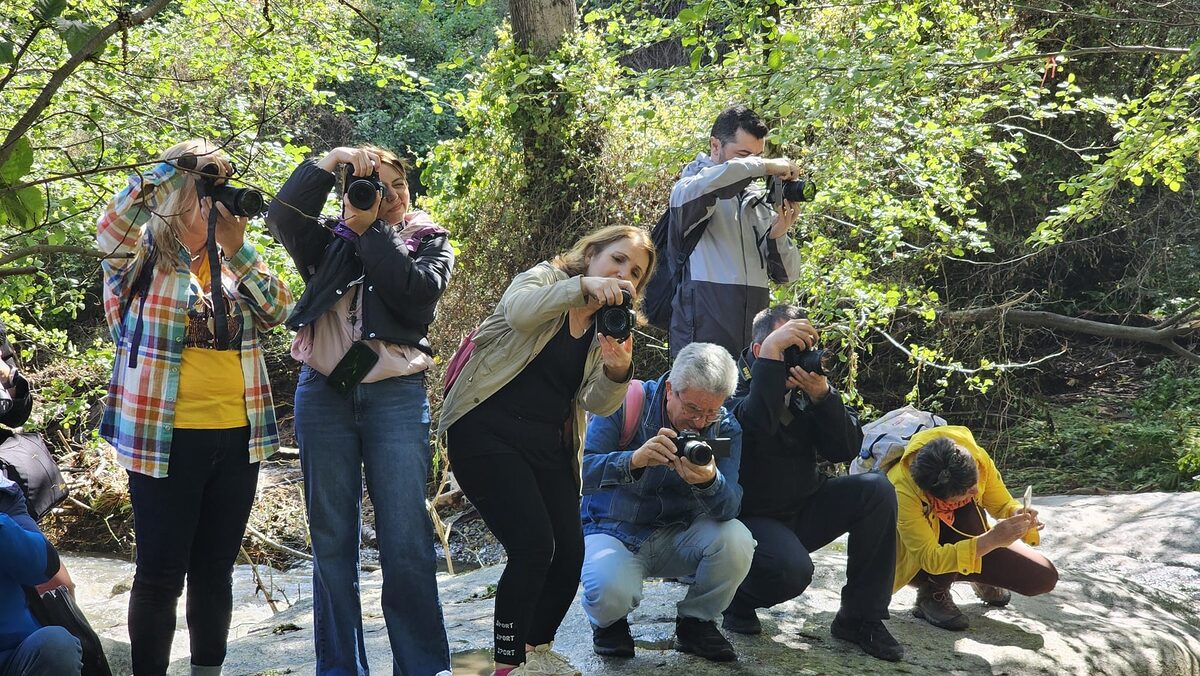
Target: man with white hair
{"x": 647, "y": 512}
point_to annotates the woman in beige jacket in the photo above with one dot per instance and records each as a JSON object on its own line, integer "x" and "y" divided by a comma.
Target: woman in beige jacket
{"x": 514, "y": 423}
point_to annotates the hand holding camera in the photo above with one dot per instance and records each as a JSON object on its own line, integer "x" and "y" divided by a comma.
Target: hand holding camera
{"x": 794, "y": 343}
{"x": 658, "y": 450}
{"x": 231, "y": 229}
{"x": 600, "y": 291}
{"x": 362, "y": 191}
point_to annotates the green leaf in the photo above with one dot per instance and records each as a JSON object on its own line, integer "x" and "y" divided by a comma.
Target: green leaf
{"x": 7, "y": 54}
{"x": 696, "y": 55}
{"x": 18, "y": 162}
{"x": 23, "y": 208}
{"x": 75, "y": 33}
{"x": 48, "y": 9}
{"x": 775, "y": 59}
{"x": 984, "y": 53}
{"x": 687, "y": 15}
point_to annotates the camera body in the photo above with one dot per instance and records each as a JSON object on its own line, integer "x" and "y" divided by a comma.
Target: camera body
{"x": 617, "y": 321}
{"x": 697, "y": 450}
{"x": 800, "y": 190}
{"x": 239, "y": 201}
{"x": 363, "y": 191}
{"x": 810, "y": 360}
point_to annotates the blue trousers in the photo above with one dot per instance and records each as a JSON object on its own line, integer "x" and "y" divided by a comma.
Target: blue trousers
{"x": 49, "y": 650}
{"x": 381, "y": 429}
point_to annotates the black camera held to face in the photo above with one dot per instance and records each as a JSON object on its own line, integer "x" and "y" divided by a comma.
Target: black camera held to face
{"x": 800, "y": 190}
{"x": 239, "y": 201}
{"x": 363, "y": 191}
{"x": 812, "y": 360}
{"x": 697, "y": 450}
{"x": 617, "y": 321}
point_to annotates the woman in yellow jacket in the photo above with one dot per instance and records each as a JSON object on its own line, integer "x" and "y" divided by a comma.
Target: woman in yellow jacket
{"x": 944, "y": 481}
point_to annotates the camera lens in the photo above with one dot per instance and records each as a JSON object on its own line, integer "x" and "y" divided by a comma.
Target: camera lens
{"x": 616, "y": 321}
{"x": 799, "y": 191}
{"x": 240, "y": 201}
{"x": 697, "y": 452}
{"x": 362, "y": 193}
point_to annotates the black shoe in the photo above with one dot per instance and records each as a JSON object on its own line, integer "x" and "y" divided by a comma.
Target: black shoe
{"x": 702, "y": 639}
{"x": 613, "y": 640}
{"x": 870, "y": 635}
{"x": 742, "y": 624}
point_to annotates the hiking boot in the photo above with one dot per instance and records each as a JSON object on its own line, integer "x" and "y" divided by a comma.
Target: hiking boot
{"x": 741, "y": 624}
{"x": 702, "y": 639}
{"x": 543, "y": 661}
{"x": 870, "y": 635}
{"x": 935, "y": 606}
{"x": 991, "y": 594}
{"x": 613, "y": 640}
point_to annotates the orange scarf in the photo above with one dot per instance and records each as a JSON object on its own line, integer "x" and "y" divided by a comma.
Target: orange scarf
{"x": 944, "y": 510}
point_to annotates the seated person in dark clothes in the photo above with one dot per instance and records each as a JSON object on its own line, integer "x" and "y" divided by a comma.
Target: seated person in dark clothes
{"x": 789, "y": 417}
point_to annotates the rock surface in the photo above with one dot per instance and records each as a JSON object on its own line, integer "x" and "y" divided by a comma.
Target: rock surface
{"x": 1128, "y": 603}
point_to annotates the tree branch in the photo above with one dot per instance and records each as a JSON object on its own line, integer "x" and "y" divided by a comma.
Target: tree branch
{"x": 960, "y": 369}
{"x": 57, "y": 249}
{"x": 13, "y": 272}
{"x": 13, "y": 67}
{"x": 64, "y": 71}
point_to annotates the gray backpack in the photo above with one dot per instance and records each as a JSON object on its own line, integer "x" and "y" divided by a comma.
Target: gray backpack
{"x": 885, "y": 439}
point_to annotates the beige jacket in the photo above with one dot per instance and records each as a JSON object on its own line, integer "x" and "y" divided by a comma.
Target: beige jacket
{"x": 531, "y": 311}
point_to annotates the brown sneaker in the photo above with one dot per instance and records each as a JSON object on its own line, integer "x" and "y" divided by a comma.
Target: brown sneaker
{"x": 935, "y": 606}
{"x": 991, "y": 594}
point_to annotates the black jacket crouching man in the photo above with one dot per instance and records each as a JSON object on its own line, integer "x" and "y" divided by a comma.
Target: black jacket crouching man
{"x": 789, "y": 418}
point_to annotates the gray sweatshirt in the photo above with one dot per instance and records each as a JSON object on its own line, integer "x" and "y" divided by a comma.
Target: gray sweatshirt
{"x": 725, "y": 280}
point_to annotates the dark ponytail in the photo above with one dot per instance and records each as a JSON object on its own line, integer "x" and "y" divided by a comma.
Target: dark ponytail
{"x": 943, "y": 470}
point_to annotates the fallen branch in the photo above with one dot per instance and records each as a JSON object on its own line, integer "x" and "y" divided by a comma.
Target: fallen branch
{"x": 962, "y": 369}
{"x": 1162, "y": 335}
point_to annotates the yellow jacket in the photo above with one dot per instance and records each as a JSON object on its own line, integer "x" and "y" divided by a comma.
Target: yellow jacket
{"x": 918, "y": 529}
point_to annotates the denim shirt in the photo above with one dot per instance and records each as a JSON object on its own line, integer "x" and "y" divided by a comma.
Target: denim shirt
{"x": 631, "y": 504}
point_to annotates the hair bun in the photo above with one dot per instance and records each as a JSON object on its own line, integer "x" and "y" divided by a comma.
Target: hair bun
{"x": 944, "y": 477}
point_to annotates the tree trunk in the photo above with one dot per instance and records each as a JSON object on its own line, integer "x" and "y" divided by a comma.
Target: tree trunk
{"x": 539, "y": 25}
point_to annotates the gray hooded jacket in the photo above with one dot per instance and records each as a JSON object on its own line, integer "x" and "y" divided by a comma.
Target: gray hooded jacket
{"x": 725, "y": 280}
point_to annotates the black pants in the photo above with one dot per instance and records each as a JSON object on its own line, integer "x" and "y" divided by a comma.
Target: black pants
{"x": 864, "y": 506}
{"x": 533, "y": 510}
{"x": 189, "y": 525}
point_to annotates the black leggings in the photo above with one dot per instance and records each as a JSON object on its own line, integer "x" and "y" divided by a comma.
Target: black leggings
{"x": 189, "y": 525}
{"x": 534, "y": 512}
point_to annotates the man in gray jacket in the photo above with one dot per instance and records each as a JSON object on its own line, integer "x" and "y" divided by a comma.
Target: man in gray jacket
{"x": 744, "y": 243}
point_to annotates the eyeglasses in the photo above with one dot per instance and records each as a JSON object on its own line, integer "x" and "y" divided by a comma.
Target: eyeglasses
{"x": 694, "y": 412}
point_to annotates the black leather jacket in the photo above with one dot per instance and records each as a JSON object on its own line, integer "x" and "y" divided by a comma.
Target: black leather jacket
{"x": 400, "y": 291}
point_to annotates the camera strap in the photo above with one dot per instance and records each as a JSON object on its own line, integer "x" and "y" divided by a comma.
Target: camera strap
{"x": 220, "y": 319}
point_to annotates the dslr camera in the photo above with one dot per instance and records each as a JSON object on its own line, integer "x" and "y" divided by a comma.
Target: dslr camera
{"x": 812, "y": 360}
{"x": 239, "y": 201}
{"x": 363, "y": 191}
{"x": 617, "y": 321}
{"x": 779, "y": 190}
{"x": 697, "y": 450}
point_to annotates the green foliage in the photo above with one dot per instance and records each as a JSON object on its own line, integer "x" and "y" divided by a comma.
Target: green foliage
{"x": 441, "y": 44}
{"x": 1148, "y": 439}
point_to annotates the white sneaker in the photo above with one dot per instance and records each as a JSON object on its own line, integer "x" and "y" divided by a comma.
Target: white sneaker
{"x": 542, "y": 661}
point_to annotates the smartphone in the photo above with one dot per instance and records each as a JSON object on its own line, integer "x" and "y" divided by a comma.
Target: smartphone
{"x": 1028, "y": 499}
{"x": 354, "y": 366}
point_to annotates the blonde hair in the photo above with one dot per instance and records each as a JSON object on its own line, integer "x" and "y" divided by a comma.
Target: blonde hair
{"x": 167, "y": 218}
{"x": 575, "y": 261}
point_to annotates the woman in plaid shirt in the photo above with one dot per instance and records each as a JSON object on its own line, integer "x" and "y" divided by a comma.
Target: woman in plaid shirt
{"x": 190, "y": 421}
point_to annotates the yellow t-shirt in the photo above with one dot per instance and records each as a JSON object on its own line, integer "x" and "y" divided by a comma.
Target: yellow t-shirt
{"x": 212, "y": 390}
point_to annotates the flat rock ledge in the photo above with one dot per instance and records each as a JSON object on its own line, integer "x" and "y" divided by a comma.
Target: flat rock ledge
{"x": 1128, "y": 603}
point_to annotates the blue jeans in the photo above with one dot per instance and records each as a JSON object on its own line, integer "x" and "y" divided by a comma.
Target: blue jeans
{"x": 718, "y": 553}
{"x": 49, "y": 650}
{"x": 382, "y": 428}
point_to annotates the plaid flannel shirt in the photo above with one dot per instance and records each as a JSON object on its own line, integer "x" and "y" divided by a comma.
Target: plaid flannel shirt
{"x": 149, "y": 330}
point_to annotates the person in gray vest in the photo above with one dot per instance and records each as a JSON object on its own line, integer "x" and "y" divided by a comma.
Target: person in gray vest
{"x": 745, "y": 244}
